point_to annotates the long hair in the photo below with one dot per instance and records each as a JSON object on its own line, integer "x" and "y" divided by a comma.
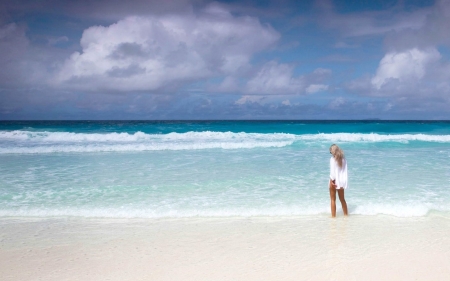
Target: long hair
{"x": 338, "y": 154}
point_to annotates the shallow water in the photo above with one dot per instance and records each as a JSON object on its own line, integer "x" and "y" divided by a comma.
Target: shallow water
{"x": 220, "y": 168}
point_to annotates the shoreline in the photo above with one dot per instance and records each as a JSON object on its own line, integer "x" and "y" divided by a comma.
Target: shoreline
{"x": 254, "y": 248}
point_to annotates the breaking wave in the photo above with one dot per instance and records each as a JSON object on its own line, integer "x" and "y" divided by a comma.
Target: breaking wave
{"x": 28, "y": 142}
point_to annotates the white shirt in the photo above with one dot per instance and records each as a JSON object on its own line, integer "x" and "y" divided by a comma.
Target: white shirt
{"x": 339, "y": 174}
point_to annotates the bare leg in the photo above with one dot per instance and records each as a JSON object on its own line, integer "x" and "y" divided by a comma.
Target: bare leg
{"x": 342, "y": 199}
{"x": 333, "y": 200}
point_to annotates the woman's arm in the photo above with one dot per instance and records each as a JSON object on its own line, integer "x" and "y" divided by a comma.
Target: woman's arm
{"x": 332, "y": 169}
{"x": 332, "y": 173}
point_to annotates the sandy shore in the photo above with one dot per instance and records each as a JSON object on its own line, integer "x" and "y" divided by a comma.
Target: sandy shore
{"x": 300, "y": 248}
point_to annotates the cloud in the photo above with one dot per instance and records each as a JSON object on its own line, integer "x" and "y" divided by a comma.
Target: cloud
{"x": 36, "y": 103}
{"x": 98, "y": 10}
{"x": 407, "y": 66}
{"x": 154, "y": 52}
{"x": 431, "y": 32}
{"x": 337, "y": 103}
{"x": 23, "y": 64}
{"x": 320, "y": 72}
{"x": 228, "y": 84}
{"x": 57, "y": 40}
{"x": 313, "y": 88}
{"x": 249, "y": 99}
{"x": 13, "y": 48}
{"x": 414, "y": 73}
{"x": 274, "y": 78}
{"x": 286, "y": 102}
{"x": 413, "y": 84}
{"x": 278, "y": 79}
{"x": 344, "y": 45}
{"x": 370, "y": 22}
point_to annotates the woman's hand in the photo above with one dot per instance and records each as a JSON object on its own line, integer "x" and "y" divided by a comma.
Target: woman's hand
{"x": 333, "y": 184}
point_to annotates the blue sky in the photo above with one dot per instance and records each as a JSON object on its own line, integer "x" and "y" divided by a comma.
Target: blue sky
{"x": 195, "y": 59}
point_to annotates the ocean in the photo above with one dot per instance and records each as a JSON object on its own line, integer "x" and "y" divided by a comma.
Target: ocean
{"x": 180, "y": 169}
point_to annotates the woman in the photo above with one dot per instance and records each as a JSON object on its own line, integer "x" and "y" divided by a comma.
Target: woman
{"x": 338, "y": 178}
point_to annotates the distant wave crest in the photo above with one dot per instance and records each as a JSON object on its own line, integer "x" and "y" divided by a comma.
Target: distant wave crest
{"x": 372, "y": 137}
{"x": 49, "y": 142}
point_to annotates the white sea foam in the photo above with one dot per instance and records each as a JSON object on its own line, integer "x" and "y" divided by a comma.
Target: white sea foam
{"x": 136, "y": 137}
{"x": 419, "y": 210}
{"x": 49, "y": 142}
{"x": 372, "y": 137}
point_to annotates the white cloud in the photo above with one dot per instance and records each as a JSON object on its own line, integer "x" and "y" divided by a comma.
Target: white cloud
{"x": 249, "y": 99}
{"x": 57, "y": 40}
{"x": 343, "y": 45}
{"x": 413, "y": 74}
{"x": 412, "y": 80}
{"x": 153, "y": 52}
{"x": 313, "y": 88}
{"x": 274, "y": 78}
{"x": 404, "y": 66}
{"x": 278, "y": 79}
{"x": 336, "y": 103}
{"x": 322, "y": 71}
{"x": 388, "y": 106}
{"x": 228, "y": 84}
{"x": 286, "y": 102}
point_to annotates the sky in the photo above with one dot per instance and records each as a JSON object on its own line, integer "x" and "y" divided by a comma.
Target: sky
{"x": 198, "y": 59}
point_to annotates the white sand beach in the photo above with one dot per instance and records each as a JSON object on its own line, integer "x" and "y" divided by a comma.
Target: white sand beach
{"x": 257, "y": 248}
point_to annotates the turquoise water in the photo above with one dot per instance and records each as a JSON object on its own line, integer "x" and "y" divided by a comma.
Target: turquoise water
{"x": 220, "y": 168}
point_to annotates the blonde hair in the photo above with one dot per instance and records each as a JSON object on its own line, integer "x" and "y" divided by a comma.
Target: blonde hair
{"x": 338, "y": 154}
